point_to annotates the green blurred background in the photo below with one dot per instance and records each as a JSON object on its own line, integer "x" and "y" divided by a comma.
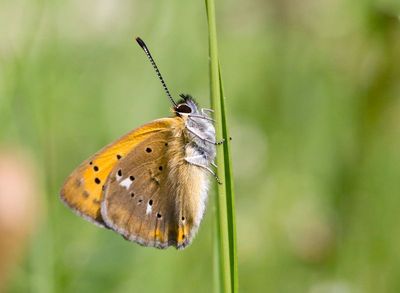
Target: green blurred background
{"x": 313, "y": 100}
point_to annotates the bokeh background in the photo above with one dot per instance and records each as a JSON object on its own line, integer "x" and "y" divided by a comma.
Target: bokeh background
{"x": 313, "y": 99}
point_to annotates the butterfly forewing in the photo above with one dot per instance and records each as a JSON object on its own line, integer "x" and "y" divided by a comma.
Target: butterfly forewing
{"x": 82, "y": 191}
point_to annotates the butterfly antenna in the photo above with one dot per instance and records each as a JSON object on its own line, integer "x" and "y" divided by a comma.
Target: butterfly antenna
{"x": 146, "y": 50}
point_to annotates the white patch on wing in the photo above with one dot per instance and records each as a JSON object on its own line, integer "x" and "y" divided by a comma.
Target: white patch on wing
{"x": 118, "y": 177}
{"x": 148, "y": 209}
{"x": 126, "y": 183}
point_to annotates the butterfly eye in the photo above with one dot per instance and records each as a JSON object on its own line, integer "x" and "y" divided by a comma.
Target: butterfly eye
{"x": 183, "y": 108}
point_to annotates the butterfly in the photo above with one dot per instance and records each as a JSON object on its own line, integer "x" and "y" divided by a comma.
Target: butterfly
{"x": 150, "y": 185}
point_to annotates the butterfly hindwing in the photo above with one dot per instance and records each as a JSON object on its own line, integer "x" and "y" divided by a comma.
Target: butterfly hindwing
{"x": 82, "y": 190}
{"x": 153, "y": 195}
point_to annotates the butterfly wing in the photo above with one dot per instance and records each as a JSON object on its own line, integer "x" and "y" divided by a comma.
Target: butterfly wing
{"x": 82, "y": 190}
{"x": 153, "y": 196}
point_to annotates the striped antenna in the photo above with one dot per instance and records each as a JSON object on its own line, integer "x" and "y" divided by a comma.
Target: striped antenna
{"x": 146, "y": 50}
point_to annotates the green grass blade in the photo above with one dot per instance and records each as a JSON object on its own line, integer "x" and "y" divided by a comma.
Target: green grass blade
{"x": 225, "y": 208}
{"x": 230, "y": 197}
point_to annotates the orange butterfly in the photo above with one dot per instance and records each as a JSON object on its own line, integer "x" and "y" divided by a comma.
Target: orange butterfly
{"x": 150, "y": 185}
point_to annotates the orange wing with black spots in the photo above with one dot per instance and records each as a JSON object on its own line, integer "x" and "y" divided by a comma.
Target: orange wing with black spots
{"x": 83, "y": 189}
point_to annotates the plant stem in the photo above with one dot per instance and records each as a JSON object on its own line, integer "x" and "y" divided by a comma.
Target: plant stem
{"x": 225, "y": 213}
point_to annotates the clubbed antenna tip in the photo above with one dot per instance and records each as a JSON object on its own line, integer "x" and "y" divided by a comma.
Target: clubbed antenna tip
{"x": 141, "y": 43}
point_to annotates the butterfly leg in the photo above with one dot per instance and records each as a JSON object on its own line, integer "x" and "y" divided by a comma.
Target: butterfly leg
{"x": 204, "y": 110}
{"x": 191, "y": 130}
{"x": 201, "y": 117}
{"x": 195, "y": 160}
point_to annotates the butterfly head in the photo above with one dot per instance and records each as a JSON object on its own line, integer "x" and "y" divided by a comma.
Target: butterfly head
{"x": 186, "y": 106}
